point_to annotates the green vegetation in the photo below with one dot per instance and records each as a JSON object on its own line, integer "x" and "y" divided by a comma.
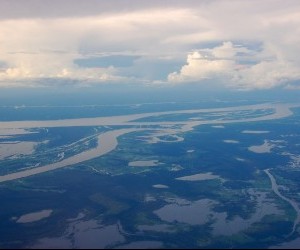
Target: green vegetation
{"x": 111, "y": 206}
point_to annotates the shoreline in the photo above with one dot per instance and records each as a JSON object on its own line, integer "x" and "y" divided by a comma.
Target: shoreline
{"x": 281, "y": 110}
{"x": 291, "y": 202}
{"x": 110, "y": 137}
{"x": 111, "y": 142}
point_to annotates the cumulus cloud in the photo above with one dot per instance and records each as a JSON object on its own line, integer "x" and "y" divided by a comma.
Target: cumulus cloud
{"x": 208, "y": 63}
{"x": 223, "y": 63}
{"x": 217, "y": 39}
{"x": 264, "y": 75}
{"x": 31, "y": 51}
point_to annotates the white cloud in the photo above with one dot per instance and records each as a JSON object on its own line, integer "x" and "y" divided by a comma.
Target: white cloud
{"x": 265, "y": 75}
{"x": 44, "y": 44}
{"x": 226, "y": 50}
{"x": 222, "y": 64}
{"x": 32, "y": 51}
{"x": 207, "y": 63}
{"x": 199, "y": 67}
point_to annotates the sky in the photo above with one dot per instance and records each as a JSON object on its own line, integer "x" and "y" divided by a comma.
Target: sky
{"x": 237, "y": 44}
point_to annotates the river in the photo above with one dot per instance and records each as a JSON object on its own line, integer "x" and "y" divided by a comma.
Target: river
{"x": 293, "y": 203}
{"x": 107, "y": 141}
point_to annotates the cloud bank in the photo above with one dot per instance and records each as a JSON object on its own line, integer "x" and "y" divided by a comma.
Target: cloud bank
{"x": 234, "y": 66}
{"x": 243, "y": 44}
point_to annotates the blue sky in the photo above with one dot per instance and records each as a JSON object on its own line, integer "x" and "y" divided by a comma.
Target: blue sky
{"x": 243, "y": 45}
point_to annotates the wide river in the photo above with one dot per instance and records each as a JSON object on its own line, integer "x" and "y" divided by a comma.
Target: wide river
{"x": 107, "y": 141}
{"x": 291, "y": 202}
